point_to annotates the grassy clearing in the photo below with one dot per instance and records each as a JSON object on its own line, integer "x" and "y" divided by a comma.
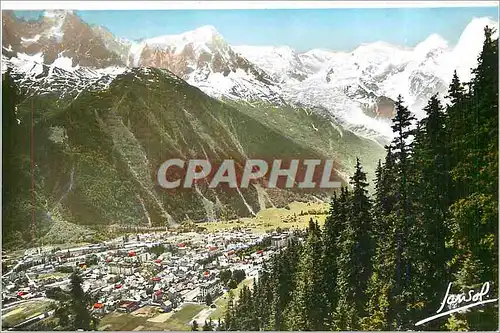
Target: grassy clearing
{"x": 296, "y": 217}
{"x": 24, "y": 311}
{"x": 116, "y": 321}
{"x": 179, "y": 321}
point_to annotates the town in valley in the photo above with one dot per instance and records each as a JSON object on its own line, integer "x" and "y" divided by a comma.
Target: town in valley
{"x": 154, "y": 276}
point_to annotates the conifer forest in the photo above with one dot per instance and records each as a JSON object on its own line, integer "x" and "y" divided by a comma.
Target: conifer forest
{"x": 384, "y": 261}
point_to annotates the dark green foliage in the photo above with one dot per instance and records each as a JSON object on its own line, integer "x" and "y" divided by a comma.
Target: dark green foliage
{"x": 232, "y": 284}
{"x": 65, "y": 269}
{"x": 308, "y": 307}
{"x": 208, "y": 299}
{"x": 157, "y": 250}
{"x": 225, "y": 276}
{"x": 72, "y": 309}
{"x": 239, "y": 275}
{"x": 384, "y": 263}
{"x": 356, "y": 248}
{"x": 92, "y": 260}
{"x": 208, "y": 326}
{"x": 262, "y": 245}
{"x": 17, "y": 204}
{"x": 474, "y": 213}
{"x": 96, "y": 156}
{"x": 334, "y": 226}
{"x": 54, "y": 293}
{"x": 228, "y": 324}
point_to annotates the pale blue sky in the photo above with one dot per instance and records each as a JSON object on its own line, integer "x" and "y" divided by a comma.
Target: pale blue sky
{"x": 302, "y": 29}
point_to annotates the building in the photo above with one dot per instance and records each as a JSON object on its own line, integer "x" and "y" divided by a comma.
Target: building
{"x": 168, "y": 306}
{"x": 120, "y": 269}
{"x": 144, "y": 257}
{"x": 98, "y": 308}
{"x": 280, "y": 241}
{"x": 157, "y": 296}
{"x": 128, "y": 306}
{"x": 211, "y": 287}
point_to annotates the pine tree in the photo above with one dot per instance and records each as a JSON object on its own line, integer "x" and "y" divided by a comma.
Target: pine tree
{"x": 72, "y": 308}
{"x": 263, "y": 294}
{"x": 360, "y": 220}
{"x": 80, "y": 305}
{"x": 244, "y": 320}
{"x": 430, "y": 196}
{"x": 388, "y": 183}
{"x": 276, "y": 317}
{"x": 308, "y": 308}
{"x": 356, "y": 251}
{"x": 379, "y": 307}
{"x": 401, "y": 148}
{"x": 208, "y": 326}
{"x": 334, "y": 225}
{"x": 456, "y": 127}
{"x": 229, "y": 314}
{"x": 392, "y": 257}
{"x": 284, "y": 267}
{"x": 208, "y": 299}
{"x": 474, "y": 213}
{"x": 456, "y": 90}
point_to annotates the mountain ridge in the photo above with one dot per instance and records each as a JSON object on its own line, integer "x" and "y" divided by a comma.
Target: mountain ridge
{"x": 355, "y": 80}
{"x": 102, "y": 127}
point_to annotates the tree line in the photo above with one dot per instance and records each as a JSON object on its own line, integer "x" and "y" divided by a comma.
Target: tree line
{"x": 383, "y": 261}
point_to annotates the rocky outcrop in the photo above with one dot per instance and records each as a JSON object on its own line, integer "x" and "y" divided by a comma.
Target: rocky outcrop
{"x": 56, "y": 34}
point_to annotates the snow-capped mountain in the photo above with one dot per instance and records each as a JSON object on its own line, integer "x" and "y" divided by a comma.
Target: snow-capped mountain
{"x": 315, "y": 59}
{"x": 35, "y": 77}
{"x": 204, "y": 59}
{"x": 58, "y": 33}
{"x": 282, "y": 63}
{"x": 359, "y": 87}
{"x": 117, "y": 45}
{"x": 356, "y": 88}
{"x": 201, "y": 57}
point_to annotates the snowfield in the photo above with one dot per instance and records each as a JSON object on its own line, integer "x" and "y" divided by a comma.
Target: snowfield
{"x": 344, "y": 85}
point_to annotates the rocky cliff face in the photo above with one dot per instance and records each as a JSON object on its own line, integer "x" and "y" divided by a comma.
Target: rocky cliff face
{"x": 203, "y": 58}
{"x": 56, "y": 34}
{"x": 98, "y": 148}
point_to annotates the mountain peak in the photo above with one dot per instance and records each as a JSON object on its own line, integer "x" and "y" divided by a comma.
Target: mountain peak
{"x": 434, "y": 41}
{"x": 376, "y": 46}
{"x": 319, "y": 51}
{"x": 202, "y": 34}
{"x": 476, "y": 27}
{"x": 470, "y": 45}
{"x": 57, "y": 13}
{"x": 207, "y": 31}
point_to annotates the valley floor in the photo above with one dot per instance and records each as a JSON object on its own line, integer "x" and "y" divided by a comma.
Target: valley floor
{"x": 180, "y": 320}
{"x": 295, "y": 216}
{"x": 41, "y": 268}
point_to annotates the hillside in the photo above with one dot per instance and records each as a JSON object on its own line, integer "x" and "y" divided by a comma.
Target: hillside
{"x": 108, "y": 111}
{"x": 97, "y": 150}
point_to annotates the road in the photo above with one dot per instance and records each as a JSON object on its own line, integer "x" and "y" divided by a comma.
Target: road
{"x": 10, "y": 305}
{"x": 32, "y": 320}
{"x": 202, "y": 316}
